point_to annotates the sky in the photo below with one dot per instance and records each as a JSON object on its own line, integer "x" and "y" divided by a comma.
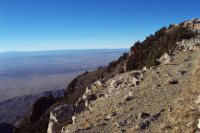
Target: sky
{"x": 38, "y": 25}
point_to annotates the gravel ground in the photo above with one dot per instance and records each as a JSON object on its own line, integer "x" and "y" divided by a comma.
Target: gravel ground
{"x": 164, "y": 100}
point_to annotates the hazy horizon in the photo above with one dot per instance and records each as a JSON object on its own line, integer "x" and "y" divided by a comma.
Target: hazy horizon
{"x": 66, "y": 50}
{"x": 48, "y": 70}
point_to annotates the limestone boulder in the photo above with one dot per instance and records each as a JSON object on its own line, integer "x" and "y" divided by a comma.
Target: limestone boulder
{"x": 165, "y": 59}
{"x": 134, "y": 78}
{"x": 60, "y": 114}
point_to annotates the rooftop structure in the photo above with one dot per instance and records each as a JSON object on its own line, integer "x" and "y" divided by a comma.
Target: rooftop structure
{"x": 193, "y": 24}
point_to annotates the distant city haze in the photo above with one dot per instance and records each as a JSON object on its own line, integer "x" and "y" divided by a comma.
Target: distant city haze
{"x": 25, "y": 73}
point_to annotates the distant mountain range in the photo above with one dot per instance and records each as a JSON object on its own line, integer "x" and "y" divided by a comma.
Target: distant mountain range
{"x": 14, "y": 109}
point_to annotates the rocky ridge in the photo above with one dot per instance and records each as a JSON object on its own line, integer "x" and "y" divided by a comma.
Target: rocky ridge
{"x": 159, "y": 99}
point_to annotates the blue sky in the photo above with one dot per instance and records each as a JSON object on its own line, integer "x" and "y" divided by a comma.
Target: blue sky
{"x": 35, "y": 25}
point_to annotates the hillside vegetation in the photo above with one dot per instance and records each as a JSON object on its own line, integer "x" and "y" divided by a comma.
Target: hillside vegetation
{"x": 153, "y": 47}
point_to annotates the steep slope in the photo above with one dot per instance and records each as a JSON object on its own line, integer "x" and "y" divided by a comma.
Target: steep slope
{"x": 141, "y": 54}
{"x": 161, "y": 99}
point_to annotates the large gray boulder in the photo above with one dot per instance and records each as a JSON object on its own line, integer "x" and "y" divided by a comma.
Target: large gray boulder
{"x": 134, "y": 78}
{"x": 60, "y": 114}
{"x": 165, "y": 59}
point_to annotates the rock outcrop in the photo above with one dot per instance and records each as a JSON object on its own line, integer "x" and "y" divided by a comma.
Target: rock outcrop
{"x": 187, "y": 44}
{"x": 62, "y": 114}
{"x": 165, "y": 59}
